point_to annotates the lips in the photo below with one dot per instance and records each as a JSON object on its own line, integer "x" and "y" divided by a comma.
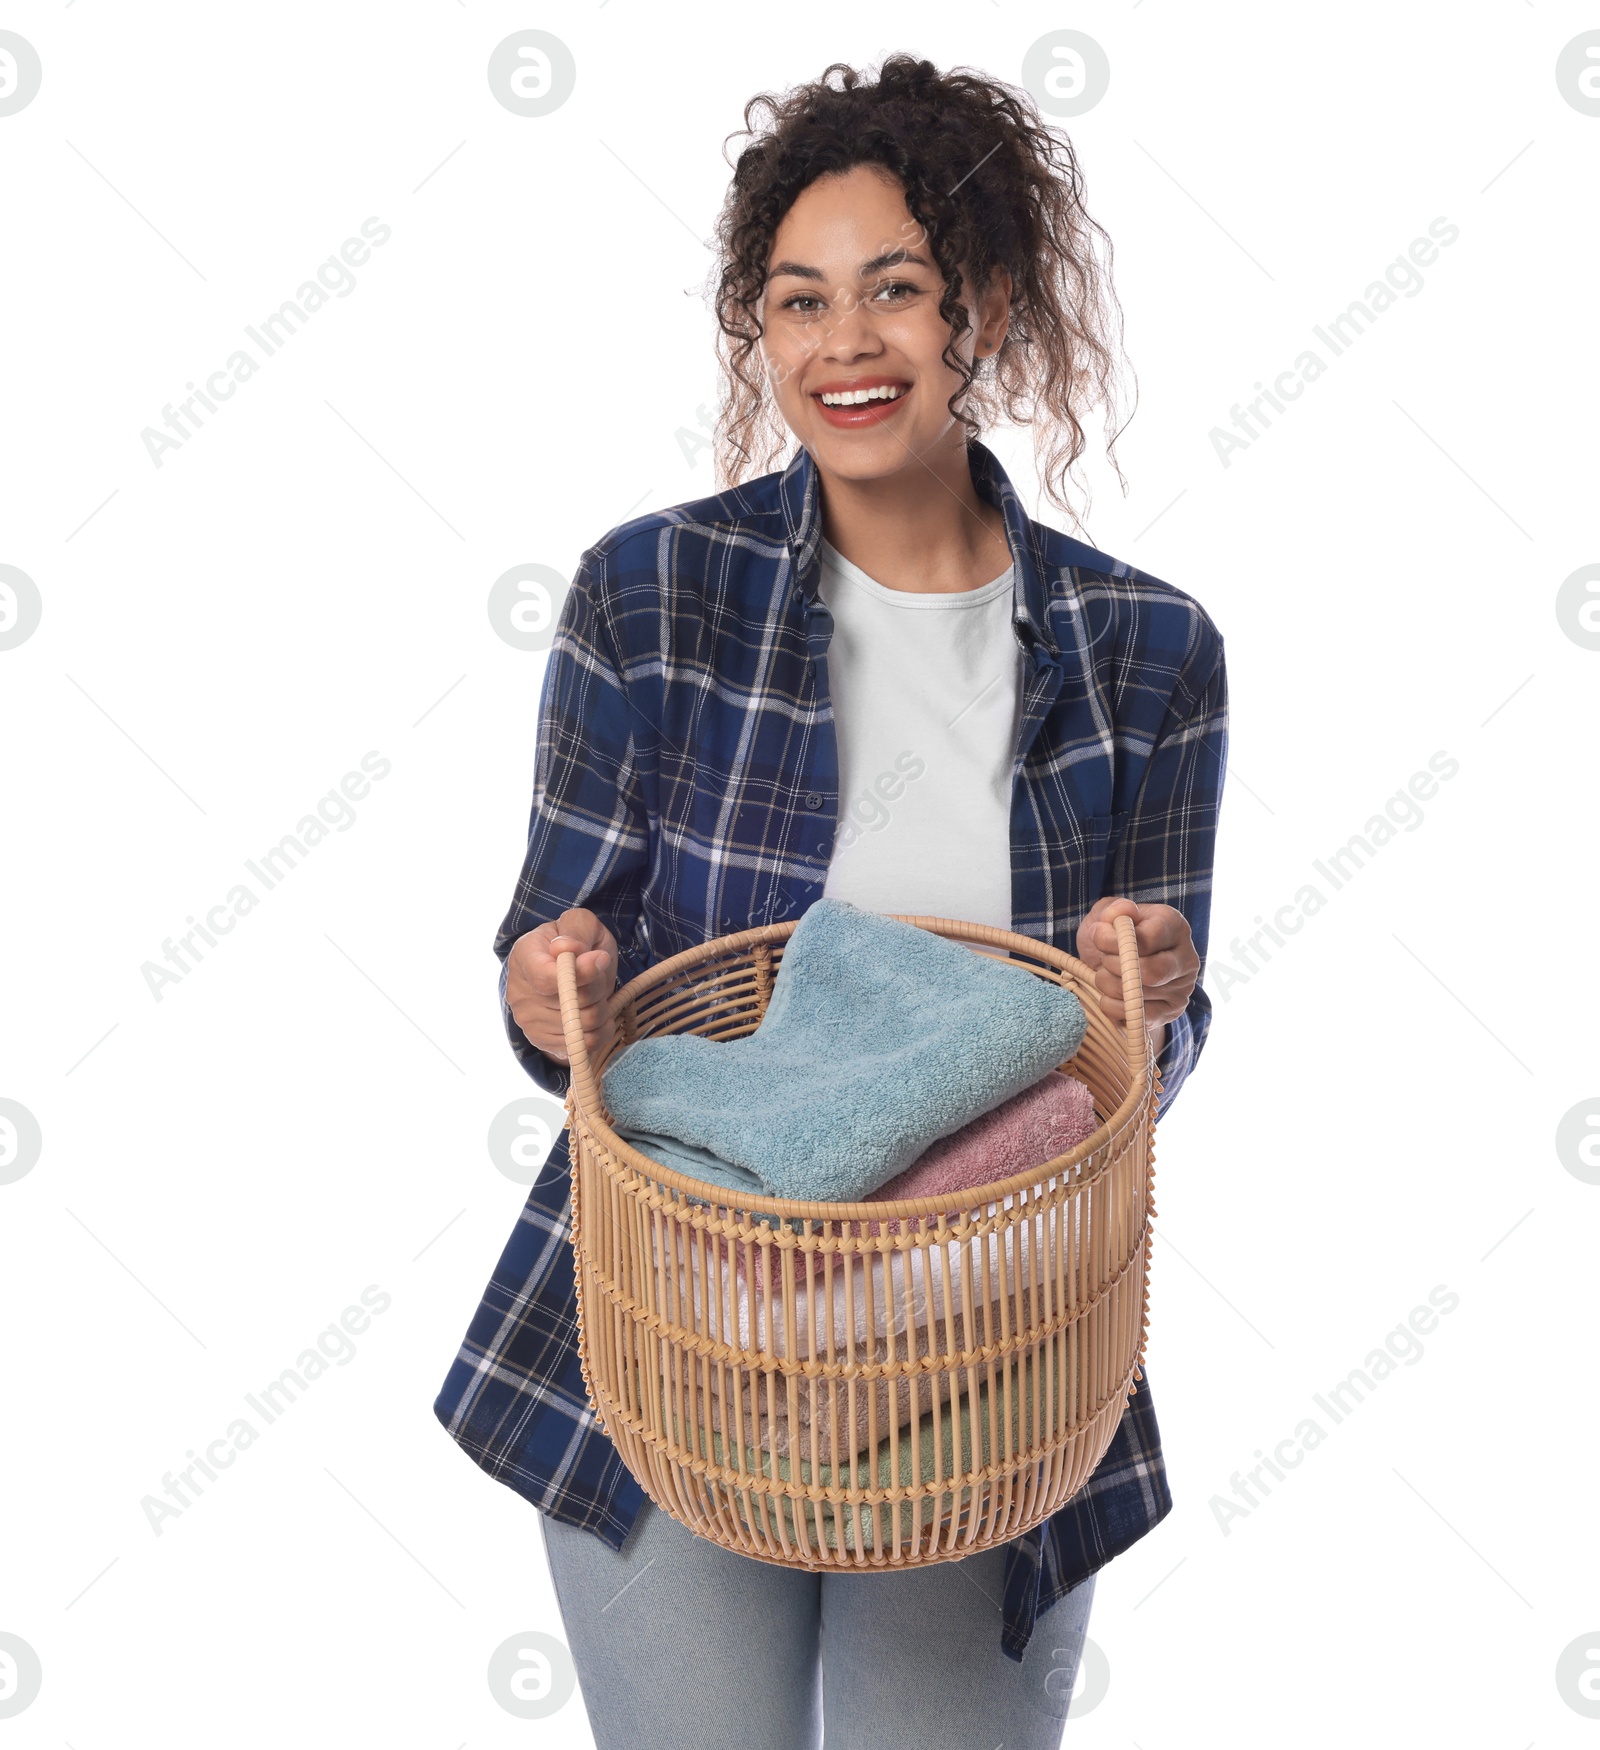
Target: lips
{"x": 860, "y": 413}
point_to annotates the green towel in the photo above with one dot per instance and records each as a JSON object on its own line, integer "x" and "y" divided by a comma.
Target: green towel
{"x": 929, "y": 1427}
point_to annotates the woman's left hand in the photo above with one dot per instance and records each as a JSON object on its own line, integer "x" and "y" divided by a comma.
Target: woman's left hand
{"x": 1168, "y": 961}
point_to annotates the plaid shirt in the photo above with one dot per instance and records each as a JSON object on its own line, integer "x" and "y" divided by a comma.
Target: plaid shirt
{"x": 686, "y": 785}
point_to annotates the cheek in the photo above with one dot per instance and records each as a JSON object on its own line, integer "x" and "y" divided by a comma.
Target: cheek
{"x": 922, "y": 337}
{"x": 785, "y": 353}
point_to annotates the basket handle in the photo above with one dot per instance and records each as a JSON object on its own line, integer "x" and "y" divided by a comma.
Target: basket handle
{"x": 1132, "y": 996}
{"x": 572, "y": 1028}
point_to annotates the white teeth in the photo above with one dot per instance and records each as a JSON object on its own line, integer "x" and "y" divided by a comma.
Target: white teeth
{"x": 853, "y": 397}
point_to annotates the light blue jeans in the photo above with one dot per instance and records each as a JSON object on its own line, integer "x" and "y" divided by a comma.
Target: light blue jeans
{"x": 680, "y": 1644}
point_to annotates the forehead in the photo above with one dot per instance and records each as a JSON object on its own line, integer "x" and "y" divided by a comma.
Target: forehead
{"x": 840, "y": 221}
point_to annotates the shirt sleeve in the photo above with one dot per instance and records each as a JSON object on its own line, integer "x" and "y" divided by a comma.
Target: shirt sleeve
{"x": 1168, "y": 846}
{"x": 588, "y": 834}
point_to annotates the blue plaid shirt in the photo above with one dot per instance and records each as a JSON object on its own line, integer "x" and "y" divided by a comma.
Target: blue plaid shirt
{"x": 686, "y": 785}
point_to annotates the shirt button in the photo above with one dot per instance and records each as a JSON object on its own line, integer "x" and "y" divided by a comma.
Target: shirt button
{"x": 813, "y": 799}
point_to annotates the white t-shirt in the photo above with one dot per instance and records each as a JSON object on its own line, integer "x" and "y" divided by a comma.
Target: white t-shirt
{"x": 926, "y": 690}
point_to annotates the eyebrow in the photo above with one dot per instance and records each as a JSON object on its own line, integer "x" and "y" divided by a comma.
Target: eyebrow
{"x": 892, "y": 258}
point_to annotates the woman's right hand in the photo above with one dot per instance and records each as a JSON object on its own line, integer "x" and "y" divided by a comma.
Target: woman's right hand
{"x": 531, "y": 989}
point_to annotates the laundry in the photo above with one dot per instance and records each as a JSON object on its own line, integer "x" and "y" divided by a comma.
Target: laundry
{"x": 884, "y": 1306}
{"x": 891, "y": 1065}
{"x": 1030, "y": 1129}
{"x": 939, "y": 1446}
{"x": 1035, "y": 1126}
{"x": 879, "y": 1039}
{"x": 879, "y": 1308}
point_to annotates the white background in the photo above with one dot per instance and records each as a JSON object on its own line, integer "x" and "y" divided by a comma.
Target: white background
{"x": 304, "y": 1114}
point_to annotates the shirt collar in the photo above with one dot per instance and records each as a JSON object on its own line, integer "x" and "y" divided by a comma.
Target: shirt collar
{"x": 801, "y": 494}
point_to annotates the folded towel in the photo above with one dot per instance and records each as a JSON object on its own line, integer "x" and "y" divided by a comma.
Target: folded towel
{"x": 1038, "y": 1125}
{"x": 958, "y": 1455}
{"x": 876, "y": 1306}
{"x": 879, "y": 1038}
{"x": 1030, "y": 1128}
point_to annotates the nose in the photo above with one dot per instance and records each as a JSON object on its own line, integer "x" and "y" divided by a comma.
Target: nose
{"x": 850, "y": 333}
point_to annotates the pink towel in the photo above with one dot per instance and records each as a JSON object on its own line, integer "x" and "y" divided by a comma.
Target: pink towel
{"x": 1035, "y": 1126}
{"x": 1030, "y": 1128}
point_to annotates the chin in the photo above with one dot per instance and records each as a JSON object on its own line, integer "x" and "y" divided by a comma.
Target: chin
{"x": 853, "y": 457}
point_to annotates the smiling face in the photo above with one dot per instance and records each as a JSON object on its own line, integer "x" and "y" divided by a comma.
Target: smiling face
{"x": 854, "y": 341}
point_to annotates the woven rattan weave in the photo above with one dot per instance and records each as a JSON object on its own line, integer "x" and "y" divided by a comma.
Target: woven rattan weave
{"x": 868, "y": 1385}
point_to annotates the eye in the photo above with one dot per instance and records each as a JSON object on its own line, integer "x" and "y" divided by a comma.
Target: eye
{"x": 799, "y": 298}
{"x": 903, "y": 286}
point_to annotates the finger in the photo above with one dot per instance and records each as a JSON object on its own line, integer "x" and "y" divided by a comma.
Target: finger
{"x": 1161, "y": 926}
{"x": 1119, "y": 907}
{"x": 578, "y": 930}
{"x": 594, "y": 969}
{"x": 564, "y": 942}
{"x": 567, "y": 944}
{"x": 1167, "y": 967}
{"x": 590, "y": 1017}
{"x": 547, "y": 1031}
{"x": 1108, "y": 942}
{"x": 1175, "y": 992}
{"x": 583, "y": 926}
{"x": 531, "y": 1010}
{"x": 595, "y": 1041}
{"x": 1114, "y": 1009}
{"x": 1172, "y": 990}
{"x": 1114, "y": 909}
{"x": 1098, "y": 914}
{"x": 1108, "y": 985}
{"x": 592, "y": 965}
{"x": 1166, "y": 950}
{"x": 541, "y": 1008}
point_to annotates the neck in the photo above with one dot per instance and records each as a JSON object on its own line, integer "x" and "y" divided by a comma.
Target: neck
{"x": 923, "y": 528}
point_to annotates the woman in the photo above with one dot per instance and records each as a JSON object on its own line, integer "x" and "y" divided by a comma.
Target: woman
{"x": 870, "y": 675}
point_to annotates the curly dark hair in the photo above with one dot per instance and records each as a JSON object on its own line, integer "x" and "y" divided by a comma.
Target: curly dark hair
{"x": 993, "y": 188}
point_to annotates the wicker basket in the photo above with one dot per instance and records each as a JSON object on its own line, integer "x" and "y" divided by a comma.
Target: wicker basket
{"x": 959, "y": 1364}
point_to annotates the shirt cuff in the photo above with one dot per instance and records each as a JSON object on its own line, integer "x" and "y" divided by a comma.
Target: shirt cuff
{"x": 1176, "y": 1060}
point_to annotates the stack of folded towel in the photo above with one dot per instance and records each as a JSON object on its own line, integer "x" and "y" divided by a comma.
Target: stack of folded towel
{"x": 1038, "y": 1125}
{"x": 891, "y": 1064}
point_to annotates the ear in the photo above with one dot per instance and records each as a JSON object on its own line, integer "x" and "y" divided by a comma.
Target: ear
{"x": 994, "y": 314}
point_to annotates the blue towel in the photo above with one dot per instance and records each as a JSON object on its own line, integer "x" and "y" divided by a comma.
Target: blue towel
{"x": 879, "y": 1038}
